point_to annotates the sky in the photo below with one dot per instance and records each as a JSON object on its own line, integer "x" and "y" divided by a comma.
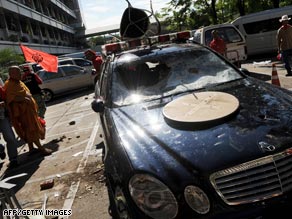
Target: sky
{"x": 99, "y": 13}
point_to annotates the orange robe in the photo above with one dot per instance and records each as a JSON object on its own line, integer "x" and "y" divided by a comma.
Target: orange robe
{"x": 23, "y": 114}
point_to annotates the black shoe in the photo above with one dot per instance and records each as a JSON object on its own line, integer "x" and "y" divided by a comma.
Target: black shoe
{"x": 2, "y": 152}
{"x": 287, "y": 75}
{"x": 13, "y": 164}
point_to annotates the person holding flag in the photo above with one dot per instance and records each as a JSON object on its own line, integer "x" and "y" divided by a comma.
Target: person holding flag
{"x": 47, "y": 61}
{"x": 95, "y": 59}
{"x": 32, "y": 81}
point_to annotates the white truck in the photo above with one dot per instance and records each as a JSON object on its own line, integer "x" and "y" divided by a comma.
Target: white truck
{"x": 235, "y": 42}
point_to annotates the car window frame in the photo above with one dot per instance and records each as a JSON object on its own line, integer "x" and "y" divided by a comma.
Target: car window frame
{"x": 43, "y": 74}
{"x": 65, "y": 67}
{"x": 66, "y": 62}
{"x": 82, "y": 63}
{"x": 105, "y": 82}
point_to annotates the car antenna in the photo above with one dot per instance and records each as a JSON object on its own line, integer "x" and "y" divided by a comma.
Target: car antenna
{"x": 156, "y": 19}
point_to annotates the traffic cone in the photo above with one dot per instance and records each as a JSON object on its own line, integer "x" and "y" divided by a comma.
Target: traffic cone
{"x": 275, "y": 78}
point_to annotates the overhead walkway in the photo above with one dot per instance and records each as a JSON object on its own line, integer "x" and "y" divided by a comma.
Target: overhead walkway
{"x": 102, "y": 30}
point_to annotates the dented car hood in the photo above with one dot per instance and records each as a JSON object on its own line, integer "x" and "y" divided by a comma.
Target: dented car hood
{"x": 262, "y": 126}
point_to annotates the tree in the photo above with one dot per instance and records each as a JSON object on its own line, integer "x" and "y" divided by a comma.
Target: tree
{"x": 276, "y": 3}
{"x": 7, "y": 58}
{"x": 240, "y": 5}
{"x": 178, "y": 15}
{"x": 190, "y": 14}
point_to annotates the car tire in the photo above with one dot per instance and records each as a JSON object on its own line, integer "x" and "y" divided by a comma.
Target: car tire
{"x": 48, "y": 95}
{"x": 112, "y": 209}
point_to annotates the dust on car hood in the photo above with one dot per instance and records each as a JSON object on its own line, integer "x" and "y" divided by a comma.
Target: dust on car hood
{"x": 264, "y": 116}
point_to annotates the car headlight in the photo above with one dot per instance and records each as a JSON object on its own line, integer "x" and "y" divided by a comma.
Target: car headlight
{"x": 197, "y": 199}
{"x": 153, "y": 197}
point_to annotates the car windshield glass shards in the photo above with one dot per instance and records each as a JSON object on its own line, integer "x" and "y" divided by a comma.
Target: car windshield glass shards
{"x": 159, "y": 74}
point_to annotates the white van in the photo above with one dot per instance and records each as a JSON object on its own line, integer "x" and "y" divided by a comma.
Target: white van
{"x": 235, "y": 42}
{"x": 260, "y": 29}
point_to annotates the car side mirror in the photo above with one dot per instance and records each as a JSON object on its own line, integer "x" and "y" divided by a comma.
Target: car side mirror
{"x": 245, "y": 71}
{"x": 97, "y": 105}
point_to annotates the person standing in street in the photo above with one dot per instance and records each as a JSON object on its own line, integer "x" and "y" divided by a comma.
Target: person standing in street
{"x": 284, "y": 42}
{"x": 32, "y": 81}
{"x": 22, "y": 110}
{"x": 96, "y": 61}
{"x": 7, "y": 133}
{"x": 218, "y": 43}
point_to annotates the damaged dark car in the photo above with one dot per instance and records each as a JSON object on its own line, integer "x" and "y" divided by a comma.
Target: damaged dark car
{"x": 187, "y": 135}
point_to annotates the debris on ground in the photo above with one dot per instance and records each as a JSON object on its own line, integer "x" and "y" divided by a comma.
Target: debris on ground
{"x": 262, "y": 62}
{"x": 72, "y": 123}
{"x": 78, "y": 153}
{"x": 47, "y": 184}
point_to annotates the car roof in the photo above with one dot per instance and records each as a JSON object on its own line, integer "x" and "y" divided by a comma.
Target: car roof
{"x": 215, "y": 27}
{"x": 68, "y": 58}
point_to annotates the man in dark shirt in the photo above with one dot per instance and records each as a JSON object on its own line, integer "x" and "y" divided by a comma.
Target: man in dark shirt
{"x": 32, "y": 81}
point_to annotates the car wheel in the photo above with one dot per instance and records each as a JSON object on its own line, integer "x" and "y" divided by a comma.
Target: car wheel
{"x": 112, "y": 210}
{"x": 47, "y": 94}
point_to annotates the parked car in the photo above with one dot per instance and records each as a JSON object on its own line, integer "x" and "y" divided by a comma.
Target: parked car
{"x": 235, "y": 42}
{"x": 80, "y": 62}
{"x": 67, "y": 79}
{"x": 34, "y": 67}
{"x": 187, "y": 135}
{"x": 75, "y": 55}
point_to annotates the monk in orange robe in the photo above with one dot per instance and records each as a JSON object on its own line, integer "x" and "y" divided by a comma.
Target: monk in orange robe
{"x": 23, "y": 111}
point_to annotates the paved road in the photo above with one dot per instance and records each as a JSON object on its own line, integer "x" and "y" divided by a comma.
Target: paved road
{"x": 75, "y": 165}
{"x": 262, "y": 69}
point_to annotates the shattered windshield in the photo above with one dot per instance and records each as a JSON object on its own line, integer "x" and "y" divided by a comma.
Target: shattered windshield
{"x": 167, "y": 72}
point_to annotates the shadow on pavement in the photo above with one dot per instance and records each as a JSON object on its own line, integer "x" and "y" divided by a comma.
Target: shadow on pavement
{"x": 29, "y": 164}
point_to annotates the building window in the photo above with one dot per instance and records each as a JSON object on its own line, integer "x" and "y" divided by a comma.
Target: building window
{"x": 11, "y": 23}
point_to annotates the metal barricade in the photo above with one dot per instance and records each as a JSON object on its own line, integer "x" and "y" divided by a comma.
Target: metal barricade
{"x": 8, "y": 199}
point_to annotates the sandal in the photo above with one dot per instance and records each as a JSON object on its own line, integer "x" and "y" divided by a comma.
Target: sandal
{"x": 32, "y": 151}
{"x": 46, "y": 151}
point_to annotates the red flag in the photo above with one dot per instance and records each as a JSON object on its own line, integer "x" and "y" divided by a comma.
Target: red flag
{"x": 47, "y": 61}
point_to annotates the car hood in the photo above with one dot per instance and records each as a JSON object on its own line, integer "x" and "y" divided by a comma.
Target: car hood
{"x": 264, "y": 119}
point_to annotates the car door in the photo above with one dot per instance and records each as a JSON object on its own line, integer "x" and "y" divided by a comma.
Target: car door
{"x": 85, "y": 64}
{"x": 53, "y": 81}
{"x": 66, "y": 62}
{"x": 76, "y": 77}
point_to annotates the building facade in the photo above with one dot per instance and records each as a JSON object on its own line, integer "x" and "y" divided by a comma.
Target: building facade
{"x": 52, "y": 26}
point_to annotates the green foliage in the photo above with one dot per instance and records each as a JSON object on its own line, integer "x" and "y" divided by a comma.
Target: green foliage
{"x": 192, "y": 14}
{"x": 7, "y": 58}
{"x": 94, "y": 41}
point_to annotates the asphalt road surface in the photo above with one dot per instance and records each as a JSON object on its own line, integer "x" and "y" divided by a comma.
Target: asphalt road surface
{"x": 261, "y": 68}
{"x": 72, "y": 132}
